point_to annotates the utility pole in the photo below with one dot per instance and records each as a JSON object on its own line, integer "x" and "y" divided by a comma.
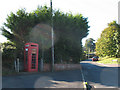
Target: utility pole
{"x": 52, "y": 34}
{"x": 119, "y": 12}
{"x": 88, "y": 53}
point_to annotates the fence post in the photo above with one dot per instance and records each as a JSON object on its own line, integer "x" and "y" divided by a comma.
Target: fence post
{"x": 15, "y": 65}
{"x": 18, "y": 64}
{"x": 41, "y": 65}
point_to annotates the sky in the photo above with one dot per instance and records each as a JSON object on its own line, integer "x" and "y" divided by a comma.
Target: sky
{"x": 98, "y": 12}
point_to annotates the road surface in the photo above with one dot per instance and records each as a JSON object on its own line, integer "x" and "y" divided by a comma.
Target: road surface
{"x": 100, "y": 76}
{"x": 61, "y": 79}
{"x": 96, "y": 76}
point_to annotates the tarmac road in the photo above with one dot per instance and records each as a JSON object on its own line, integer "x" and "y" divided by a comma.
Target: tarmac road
{"x": 96, "y": 75}
{"x": 61, "y": 79}
{"x": 100, "y": 76}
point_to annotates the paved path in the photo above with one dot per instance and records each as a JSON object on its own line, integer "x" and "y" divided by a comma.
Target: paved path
{"x": 99, "y": 75}
{"x": 61, "y": 79}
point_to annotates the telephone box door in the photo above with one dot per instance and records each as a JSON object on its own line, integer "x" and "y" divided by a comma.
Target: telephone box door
{"x": 34, "y": 59}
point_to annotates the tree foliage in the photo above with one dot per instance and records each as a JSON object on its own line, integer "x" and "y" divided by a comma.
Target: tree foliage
{"x": 23, "y": 27}
{"x": 90, "y": 45}
{"x": 8, "y": 49}
{"x": 109, "y": 42}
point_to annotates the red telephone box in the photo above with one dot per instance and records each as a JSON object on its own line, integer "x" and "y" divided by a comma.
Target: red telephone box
{"x": 31, "y": 57}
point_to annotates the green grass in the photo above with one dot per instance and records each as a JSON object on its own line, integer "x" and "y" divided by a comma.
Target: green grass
{"x": 109, "y": 60}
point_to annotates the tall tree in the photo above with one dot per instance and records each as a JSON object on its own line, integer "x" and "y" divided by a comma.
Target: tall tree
{"x": 35, "y": 27}
{"x": 108, "y": 43}
{"x": 19, "y": 26}
{"x": 90, "y": 45}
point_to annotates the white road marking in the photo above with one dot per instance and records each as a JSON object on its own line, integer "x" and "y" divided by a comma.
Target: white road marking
{"x": 84, "y": 83}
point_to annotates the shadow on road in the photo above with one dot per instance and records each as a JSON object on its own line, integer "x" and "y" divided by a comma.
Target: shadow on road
{"x": 101, "y": 75}
{"x": 61, "y": 79}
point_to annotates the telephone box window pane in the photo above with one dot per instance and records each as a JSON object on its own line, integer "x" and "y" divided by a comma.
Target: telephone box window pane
{"x": 33, "y": 66}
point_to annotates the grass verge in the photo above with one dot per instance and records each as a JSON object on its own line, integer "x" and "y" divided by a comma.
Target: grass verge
{"x": 109, "y": 60}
